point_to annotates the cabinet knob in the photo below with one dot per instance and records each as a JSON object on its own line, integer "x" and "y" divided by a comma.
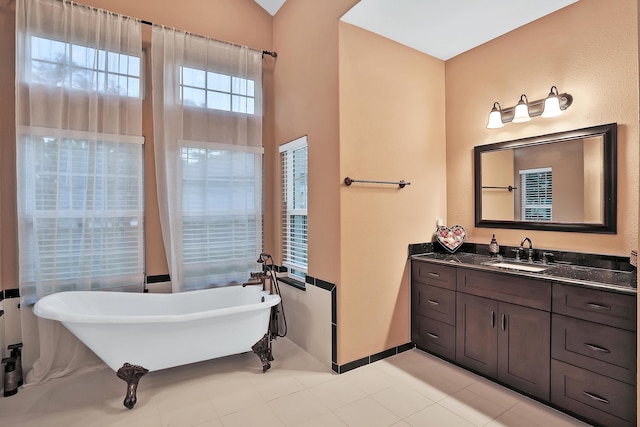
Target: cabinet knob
{"x": 434, "y": 336}
{"x": 433, "y": 302}
{"x": 434, "y": 274}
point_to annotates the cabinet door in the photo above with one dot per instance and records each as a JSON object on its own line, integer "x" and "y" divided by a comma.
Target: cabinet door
{"x": 524, "y": 349}
{"x": 476, "y": 333}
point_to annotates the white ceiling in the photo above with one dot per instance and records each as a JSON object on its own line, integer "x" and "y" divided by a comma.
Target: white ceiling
{"x": 439, "y": 28}
{"x": 271, "y": 6}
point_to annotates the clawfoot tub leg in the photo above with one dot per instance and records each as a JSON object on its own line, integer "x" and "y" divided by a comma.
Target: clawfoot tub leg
{"x": 131, "y": 374}
{"x": 263, "y": 350}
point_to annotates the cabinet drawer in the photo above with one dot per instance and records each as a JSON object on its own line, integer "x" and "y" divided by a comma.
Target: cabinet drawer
{"x": 603, "y": 349}
{"x": 433, "y": 302}
{"x": 505, "y": 287}
{"x": 434, "y": 336}
{"x": 433, "y": 274}
{"x": 593, "y": 396}
{"x": 598, "y": 306}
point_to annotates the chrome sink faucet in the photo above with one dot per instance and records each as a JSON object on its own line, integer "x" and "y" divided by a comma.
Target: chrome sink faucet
{"x": 530, "y": 248}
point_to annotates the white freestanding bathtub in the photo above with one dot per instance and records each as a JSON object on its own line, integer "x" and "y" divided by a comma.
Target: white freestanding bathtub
{"x": 134, "y": 333}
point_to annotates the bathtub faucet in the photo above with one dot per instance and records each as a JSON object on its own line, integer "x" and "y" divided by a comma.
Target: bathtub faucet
{"x": 257, "y": 279}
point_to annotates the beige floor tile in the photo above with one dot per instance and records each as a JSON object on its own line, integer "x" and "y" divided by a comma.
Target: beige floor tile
{"x": 328, "y": 419}
{"x": 475, "y": 408}
{"x": 402, "y": 400}
{"x": 236, "y": 401}
{"x": 273, "y": 388}
{"x": 496, "y": 393}
{"x": 401, "y": 423}
{"x": 259, "y": 415}
{"x": 512, "y": 419}
{"x": 437, "y": 416}
{"x": 433, "y": 385}
{"x": 370, "y": 379}
{"x": 211, "y": 423}
{"x": 337, "y": 392}
{"x": 297, "y": 407}
{"x": 297, "y": 391}
{"x": 366, "y": 413}
{"x": 544, "y": 415}
{"x": 187, "y": 413}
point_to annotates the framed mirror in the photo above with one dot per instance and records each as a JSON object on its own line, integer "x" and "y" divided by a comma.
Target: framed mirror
{"x": 564, "y": 181}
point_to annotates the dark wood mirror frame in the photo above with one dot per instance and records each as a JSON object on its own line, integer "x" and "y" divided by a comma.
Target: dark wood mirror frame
{"x": 610, "y": 173}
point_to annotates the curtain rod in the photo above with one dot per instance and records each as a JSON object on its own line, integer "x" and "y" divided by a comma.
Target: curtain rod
{"x": 142, "y": 21}
{"x": 264, "y": 52}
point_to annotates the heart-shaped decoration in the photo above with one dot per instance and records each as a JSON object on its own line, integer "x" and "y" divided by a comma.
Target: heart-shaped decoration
{"x": 451, "y": 238}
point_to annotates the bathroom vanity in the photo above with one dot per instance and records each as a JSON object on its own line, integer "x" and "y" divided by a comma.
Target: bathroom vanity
{"x": 563, "y": 334}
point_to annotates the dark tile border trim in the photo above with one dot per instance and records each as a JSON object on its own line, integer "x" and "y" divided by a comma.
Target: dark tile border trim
{"x": 1, "y": 295}
{"x": 291, "y": 282}
{"x": 12, "y": 293}
{"x": 341, "y": 369}
{"x": 159, "y": 278}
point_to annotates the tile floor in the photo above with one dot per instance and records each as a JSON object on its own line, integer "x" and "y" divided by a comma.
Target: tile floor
{"x": 408, "y": 389}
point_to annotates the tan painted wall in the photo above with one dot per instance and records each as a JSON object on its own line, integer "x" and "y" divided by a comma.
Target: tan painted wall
{"x": 588, "y": 49}
{"x": 497, "y": 171}
{"x": 305, "y": 34}
{"x": 236, "y": 21}
{"x": 391, "y": 128}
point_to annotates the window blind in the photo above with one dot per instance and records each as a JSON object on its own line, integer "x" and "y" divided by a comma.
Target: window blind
{"x": 537, "y": 194}
{"x": 81, "y": 214}
{"x": 221, "y": 211}
{"x": 294, "y": 161}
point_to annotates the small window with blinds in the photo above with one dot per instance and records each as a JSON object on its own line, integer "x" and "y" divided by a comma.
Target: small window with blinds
{"x": 293, "y": 157}
{"x": 537, "y": 194}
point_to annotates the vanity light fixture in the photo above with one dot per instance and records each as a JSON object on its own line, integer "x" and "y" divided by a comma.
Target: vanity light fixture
{"x": 551, "y": 106}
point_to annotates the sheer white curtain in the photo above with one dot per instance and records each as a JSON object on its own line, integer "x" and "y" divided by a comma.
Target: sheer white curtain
{"x": 207, "y": 108}
{"x": 79, "y": 145}
{"x": 79, "y": 157}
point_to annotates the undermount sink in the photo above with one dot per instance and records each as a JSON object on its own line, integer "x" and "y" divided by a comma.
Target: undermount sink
{"x": 514, "y": 266}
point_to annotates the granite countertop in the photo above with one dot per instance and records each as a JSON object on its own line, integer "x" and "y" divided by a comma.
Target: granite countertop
{"x": 594, "y": 277}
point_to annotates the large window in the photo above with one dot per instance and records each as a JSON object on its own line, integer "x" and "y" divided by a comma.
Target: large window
{"x": 294, "y": 163}
{"x": 208, "y": 156}
{"x": 62, "y": 64}
{"x": 221, "y": 211}
{"x": 537, "y": 194}
{"x": 79, "y": 146}
{"x": 81, "y": 212}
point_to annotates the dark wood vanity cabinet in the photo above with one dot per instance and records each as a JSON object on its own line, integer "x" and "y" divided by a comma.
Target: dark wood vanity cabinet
{"x": 505, "y": 341}
{"x": 593, "y": 366}
{"x": 569, "y": 345}
{"x": 433, "y": 305}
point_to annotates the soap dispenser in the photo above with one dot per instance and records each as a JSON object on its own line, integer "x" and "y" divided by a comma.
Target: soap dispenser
{"x": 16, "y": 353}
{"x": 494, "y": 248}
{"x": 10, "y": 377}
